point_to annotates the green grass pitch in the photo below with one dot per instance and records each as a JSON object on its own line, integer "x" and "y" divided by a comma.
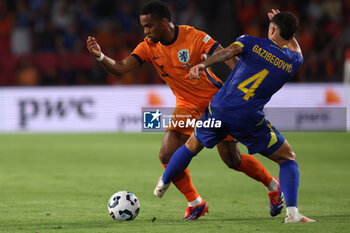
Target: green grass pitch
{"x": 61, "y": 183}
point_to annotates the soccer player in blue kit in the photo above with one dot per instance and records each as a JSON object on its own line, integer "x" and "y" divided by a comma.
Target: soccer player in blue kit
{"x": 264, "y": 67}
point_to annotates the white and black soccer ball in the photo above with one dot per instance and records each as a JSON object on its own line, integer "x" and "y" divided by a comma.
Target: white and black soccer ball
{"x": 123, "y": 206}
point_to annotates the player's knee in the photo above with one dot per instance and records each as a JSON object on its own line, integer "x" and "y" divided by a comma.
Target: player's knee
{"x": 284, "y": 153}
{"x": 291, "y": 156}
{"x": 234, "y": 163}
{"x": 164, "y": 157}
{"x": 194, "y": 145}
{"x": 229, "y": 153}
{"x": 232, "y": 159}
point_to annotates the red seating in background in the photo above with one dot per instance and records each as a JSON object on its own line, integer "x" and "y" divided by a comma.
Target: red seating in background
{"x": 43, "y": 62}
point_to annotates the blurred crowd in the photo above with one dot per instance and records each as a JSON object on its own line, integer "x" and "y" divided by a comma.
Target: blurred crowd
{"x": 42, "y": 42}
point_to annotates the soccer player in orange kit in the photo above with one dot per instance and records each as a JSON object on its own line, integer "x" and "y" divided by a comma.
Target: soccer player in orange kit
{"x": 173, "y": 50}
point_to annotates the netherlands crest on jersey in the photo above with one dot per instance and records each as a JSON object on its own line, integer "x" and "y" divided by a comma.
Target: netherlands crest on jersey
{"x": 184, "y": 55}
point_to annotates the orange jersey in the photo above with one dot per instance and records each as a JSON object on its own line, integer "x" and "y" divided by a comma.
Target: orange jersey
{"x": 174, "y": 60}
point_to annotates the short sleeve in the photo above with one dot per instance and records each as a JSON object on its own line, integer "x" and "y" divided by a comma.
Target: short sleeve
{"x": 245, "y": 41}
{"x": 298, "y": 60}
{"x": 141, "y": 53}
{"x": 206, "y": 43}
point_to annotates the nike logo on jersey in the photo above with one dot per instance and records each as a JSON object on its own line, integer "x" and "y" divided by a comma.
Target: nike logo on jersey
{"x": 155, "y": 58}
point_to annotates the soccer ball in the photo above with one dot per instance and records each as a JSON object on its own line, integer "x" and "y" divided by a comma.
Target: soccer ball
{"x": 123, "y": 206}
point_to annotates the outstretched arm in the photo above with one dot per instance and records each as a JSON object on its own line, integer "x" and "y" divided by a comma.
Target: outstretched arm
{"x": 230, "y": 62}
{"x": 220, "y": 56}
{"x": 294, "y": 46}
{"x": 117, "y": 68}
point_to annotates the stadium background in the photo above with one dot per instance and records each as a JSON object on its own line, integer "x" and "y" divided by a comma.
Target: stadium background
{"x": 43, "y": 42}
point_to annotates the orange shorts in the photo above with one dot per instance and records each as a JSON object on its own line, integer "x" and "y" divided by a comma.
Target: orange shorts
{"x": 184, "y": 120}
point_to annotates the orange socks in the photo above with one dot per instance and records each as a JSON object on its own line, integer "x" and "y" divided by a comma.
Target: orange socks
{"x": 254, "y": 169}
{"x": 183, "y": 182}
{"x": 249, "y": 166}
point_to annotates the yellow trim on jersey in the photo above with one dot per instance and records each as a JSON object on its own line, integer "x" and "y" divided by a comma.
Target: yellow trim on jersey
{"x": 260, "y": 123}
{"x": 209, "y": 108}
{"x": 238, "y": 43}
{"x": 273, "y": 139}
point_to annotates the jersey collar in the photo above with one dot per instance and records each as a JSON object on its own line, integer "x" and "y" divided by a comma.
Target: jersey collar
{"x": 273, "y": 41}
{"x": 277, "y": 44}
{"x": 174, "y": 39}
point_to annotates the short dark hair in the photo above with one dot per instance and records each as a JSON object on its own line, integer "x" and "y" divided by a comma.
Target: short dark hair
{"x": 287, "y": 22}
{"x": 156, "y": 8}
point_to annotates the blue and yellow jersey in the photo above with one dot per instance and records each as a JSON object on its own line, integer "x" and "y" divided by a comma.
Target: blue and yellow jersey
{"x": 261, "y": 71}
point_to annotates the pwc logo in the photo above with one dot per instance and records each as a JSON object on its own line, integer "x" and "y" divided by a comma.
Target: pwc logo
{"x": 46, "y": 108}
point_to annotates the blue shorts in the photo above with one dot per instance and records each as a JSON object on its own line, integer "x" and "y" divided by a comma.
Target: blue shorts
{"x": 259, "y": 137}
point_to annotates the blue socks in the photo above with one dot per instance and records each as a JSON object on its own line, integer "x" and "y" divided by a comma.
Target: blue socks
{"x": 178, "y": 162}
{"x": 289, "y": 173}
{"x": 289, "y": 181}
